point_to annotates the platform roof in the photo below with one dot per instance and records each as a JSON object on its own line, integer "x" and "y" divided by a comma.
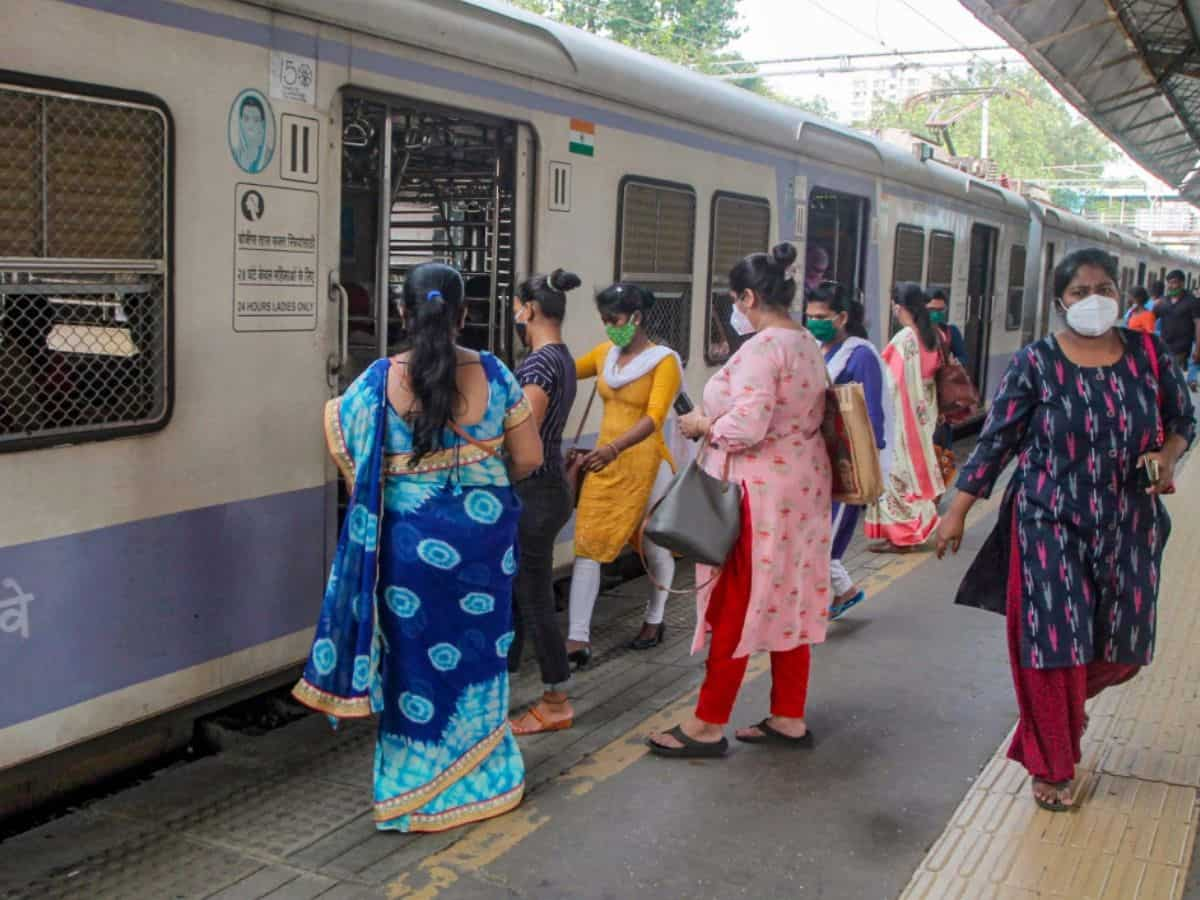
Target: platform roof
{"x": 1130, "y": 66}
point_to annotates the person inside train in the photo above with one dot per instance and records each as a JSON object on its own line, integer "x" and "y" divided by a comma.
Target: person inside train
{"x": 547, "y": 376}
{"x": 906, "y": 515}
{"x": 416, "y": 622}
{"x": 1098, "y": 417}
{"x": 837, "y": 322}
{"x": 938, "y": 307}
{"x": 761, "y": 422}
{"x": 1140, "y": 316}
{"x": 816, "y": 266}
{"x": 1179, "y": 316}
{"x": 638, "y": 381}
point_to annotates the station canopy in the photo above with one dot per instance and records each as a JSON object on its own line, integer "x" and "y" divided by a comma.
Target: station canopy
{"x": 1131, "y": 66}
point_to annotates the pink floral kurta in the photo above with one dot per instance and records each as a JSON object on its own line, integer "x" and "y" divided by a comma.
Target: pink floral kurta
{"x": 768, "y": 402}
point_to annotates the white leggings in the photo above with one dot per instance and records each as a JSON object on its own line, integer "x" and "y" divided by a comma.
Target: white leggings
{"x": 585, "y": 579}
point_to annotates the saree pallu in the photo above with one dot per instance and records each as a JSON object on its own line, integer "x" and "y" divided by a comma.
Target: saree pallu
{"x": 906, "y": 515}
{"x": 415, "y": 626}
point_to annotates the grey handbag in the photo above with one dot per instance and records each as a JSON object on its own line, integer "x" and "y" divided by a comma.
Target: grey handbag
{"x": 699, "y": 517}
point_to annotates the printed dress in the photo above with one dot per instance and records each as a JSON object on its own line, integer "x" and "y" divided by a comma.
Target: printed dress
{"x": 768, "y": 403}
{"x": 417, "y": 618}
{"x": 1090, "y": 541}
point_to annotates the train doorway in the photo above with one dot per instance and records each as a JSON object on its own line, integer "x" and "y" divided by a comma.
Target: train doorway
{"x": 981, "y": 282}
{"x": 422, "y": 183}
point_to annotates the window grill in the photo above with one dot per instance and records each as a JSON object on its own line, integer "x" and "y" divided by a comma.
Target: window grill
{"x": 1016, "y": 288}
{"x": 656, "y": 247}
{"x": 83, "y": 267}
{"x": 740, "y": 226}
{"x": 910, "y": 254}
{"x": 940, "y": 271}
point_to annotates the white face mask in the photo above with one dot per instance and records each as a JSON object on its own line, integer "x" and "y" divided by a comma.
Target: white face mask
{"x": 740, "y": 323}
{"x": 1093, "y": 316}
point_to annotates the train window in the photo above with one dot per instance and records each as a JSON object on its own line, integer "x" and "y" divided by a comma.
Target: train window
{"x": 940, "y": 271}
{"x": 740, "y": 226}
{"x": 1016, "y": 288}
{"x": 84, "y": 280}
{"x": 656, "y": 246}
{"x": 909, "y": 260}
{"x": 837, "y": 241}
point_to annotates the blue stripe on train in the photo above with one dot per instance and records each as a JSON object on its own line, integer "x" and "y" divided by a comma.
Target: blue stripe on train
{"x": 120, "y": 605}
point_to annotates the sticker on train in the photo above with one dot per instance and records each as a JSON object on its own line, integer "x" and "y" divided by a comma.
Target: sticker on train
{"x": 275, "y": 258}
{"x": 293, "y": 77}
{"x": 251, "y": 131}
{"x": 583, "y": 137}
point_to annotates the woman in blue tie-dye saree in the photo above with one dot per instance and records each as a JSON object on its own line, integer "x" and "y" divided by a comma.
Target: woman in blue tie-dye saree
{"x": 416, "y": 621}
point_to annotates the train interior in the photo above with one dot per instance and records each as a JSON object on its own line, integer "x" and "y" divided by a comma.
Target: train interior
{"x": 445, "y": 183}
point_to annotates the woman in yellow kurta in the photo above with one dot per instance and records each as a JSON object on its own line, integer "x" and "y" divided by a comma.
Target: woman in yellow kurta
{"x": 638, "y": 381}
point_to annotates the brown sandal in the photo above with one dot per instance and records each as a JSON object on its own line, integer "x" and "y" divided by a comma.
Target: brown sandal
{"x": 542, "y": 725}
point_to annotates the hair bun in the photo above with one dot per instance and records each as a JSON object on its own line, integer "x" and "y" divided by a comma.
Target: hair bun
{"x": 563, "y": 281}
{"x": 784, "y": 255}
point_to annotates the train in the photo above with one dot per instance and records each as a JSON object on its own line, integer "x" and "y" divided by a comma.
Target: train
{"x": 206, "y": 207}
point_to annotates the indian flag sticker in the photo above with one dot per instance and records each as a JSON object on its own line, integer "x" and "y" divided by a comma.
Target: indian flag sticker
{"x": 583, "y": 137}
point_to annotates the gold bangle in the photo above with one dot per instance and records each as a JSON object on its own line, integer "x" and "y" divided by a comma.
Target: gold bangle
{"x": 613, "y": 448}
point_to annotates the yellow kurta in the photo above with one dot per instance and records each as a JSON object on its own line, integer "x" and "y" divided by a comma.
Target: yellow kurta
{"x": 613, "y": 501}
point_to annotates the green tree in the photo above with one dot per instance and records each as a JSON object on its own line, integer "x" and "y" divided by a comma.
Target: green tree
{"x": 1024, "y": 140}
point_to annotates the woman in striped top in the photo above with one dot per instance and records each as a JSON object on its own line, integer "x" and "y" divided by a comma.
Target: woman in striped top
{"x": 547, "y": 376}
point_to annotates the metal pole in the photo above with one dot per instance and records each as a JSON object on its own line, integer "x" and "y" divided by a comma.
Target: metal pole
{"x": 494, "y": 272}
{"x": 985, "y": 129}
{"x": 383, "y": 264}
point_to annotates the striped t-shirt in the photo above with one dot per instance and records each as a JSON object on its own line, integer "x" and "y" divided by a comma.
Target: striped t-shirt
{"x": 553, "y": 370}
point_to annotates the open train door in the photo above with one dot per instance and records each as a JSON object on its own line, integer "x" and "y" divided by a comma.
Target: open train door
{"x": 981, "y": 281}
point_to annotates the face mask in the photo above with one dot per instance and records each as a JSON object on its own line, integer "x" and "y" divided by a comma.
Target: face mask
{"x": 622, "y": 335}
{"x": 937, "y": 316}
{"x": 742, "y": 325}
{"x": 822, "y": 329}
{"x": 1092, "y": 316}
{"x": 1174, "y": 292}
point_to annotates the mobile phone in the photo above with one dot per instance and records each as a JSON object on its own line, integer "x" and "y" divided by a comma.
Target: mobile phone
{"x": 683, "y": 404}
{"x": 1148, "y": 472}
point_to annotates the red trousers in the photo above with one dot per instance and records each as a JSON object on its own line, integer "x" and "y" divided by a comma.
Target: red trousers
{"x": 1051, "y": 701}
{"x": 726, "y": 615}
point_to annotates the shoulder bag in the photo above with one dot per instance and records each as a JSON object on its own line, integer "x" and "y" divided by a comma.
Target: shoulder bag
{"x": 958, "y": 399}
{"x": 1161, "y": 435}
{"x": 850, "y": 441}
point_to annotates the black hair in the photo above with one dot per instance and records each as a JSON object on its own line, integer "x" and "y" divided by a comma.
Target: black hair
{"x": 1157, "y": 289}
{"x": 1176, "y": 273}
{"x": 1139, "y": 294}
{"x": 831, "y": 294}
{"x": 912, "y": 298}
{"x": 939, "y": 294}
{"x": 256, "y": 103}
{"x": 767, "y": 275}
{"x": 433, "y": 304}
{"x": 625, "y": 298}
{"x": 1073, "y": 262}
{"x": 549, "y": 291}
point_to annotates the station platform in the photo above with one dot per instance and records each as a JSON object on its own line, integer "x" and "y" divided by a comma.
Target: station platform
{"x": 906, "y": 793}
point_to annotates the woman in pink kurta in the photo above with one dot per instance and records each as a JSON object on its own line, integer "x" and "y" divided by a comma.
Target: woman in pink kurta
{"x": 762, "y": 413}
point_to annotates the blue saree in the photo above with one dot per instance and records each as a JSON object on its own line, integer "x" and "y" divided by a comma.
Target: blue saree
{"x": 417, "y": 616}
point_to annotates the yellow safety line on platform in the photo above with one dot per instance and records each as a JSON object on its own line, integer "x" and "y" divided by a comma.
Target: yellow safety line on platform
{"x": 1131, "y": 834}
{"x": 483, "y": 844}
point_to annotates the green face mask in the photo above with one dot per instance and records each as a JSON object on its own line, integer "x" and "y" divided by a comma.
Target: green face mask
{"x": 622, "y": 335}
{"x": 1174, "y": 292}
{"x": 937, "y": 316}
{"x": 822, "y": 329}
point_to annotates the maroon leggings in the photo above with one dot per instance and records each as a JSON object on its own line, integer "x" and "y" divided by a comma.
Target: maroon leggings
{"x": 1050, "y": 701}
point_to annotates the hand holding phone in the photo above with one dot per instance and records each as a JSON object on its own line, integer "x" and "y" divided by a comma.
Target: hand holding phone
{"x": 683, "y": 404}
{"x": 1147, "y": 473}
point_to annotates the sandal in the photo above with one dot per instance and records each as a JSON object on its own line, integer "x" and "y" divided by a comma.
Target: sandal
{"x": 691, "y": 749}
{"x": 542, "y": 725}
{"x": 889, "y": 547}
{"x": 840, "y": 609}
{"x": 1051, "y": 805}
{"x": 771, "y": 735}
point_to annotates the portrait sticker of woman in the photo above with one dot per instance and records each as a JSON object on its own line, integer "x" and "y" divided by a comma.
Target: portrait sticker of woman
{"x": 252, "y": 131}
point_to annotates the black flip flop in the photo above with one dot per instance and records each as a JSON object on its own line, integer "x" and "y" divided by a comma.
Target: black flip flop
{"x": 1053, "y": 785}
{"x": 771, "y": 735}
{"x": 691, "y": 749}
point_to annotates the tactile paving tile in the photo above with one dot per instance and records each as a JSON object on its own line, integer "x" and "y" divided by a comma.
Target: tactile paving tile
{"x": 1131, "y": 834}
{"x": 175, "y": 866}
{"x": 277, "y": 817}
{"x": 349, "y": 761}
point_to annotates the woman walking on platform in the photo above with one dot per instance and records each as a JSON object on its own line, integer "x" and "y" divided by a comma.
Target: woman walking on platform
{"x": 762, "y": 418}
{"x": 416, "y": 621}
{"x": 547, "y": 376}
{"x": 836, "y": 321}
{"x": 1097, "y": 418}
{"x": 906, "y": 515}
{"x": 638, "y": 381}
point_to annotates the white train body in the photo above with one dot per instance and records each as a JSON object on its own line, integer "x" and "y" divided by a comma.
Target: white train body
{"x": 154, "y": 561}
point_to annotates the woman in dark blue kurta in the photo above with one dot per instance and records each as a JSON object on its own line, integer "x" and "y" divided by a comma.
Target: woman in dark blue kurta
{"x": 1082, "y": 540}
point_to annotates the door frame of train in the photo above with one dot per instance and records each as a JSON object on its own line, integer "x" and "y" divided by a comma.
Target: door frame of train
{"x": 985, "y": 241}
